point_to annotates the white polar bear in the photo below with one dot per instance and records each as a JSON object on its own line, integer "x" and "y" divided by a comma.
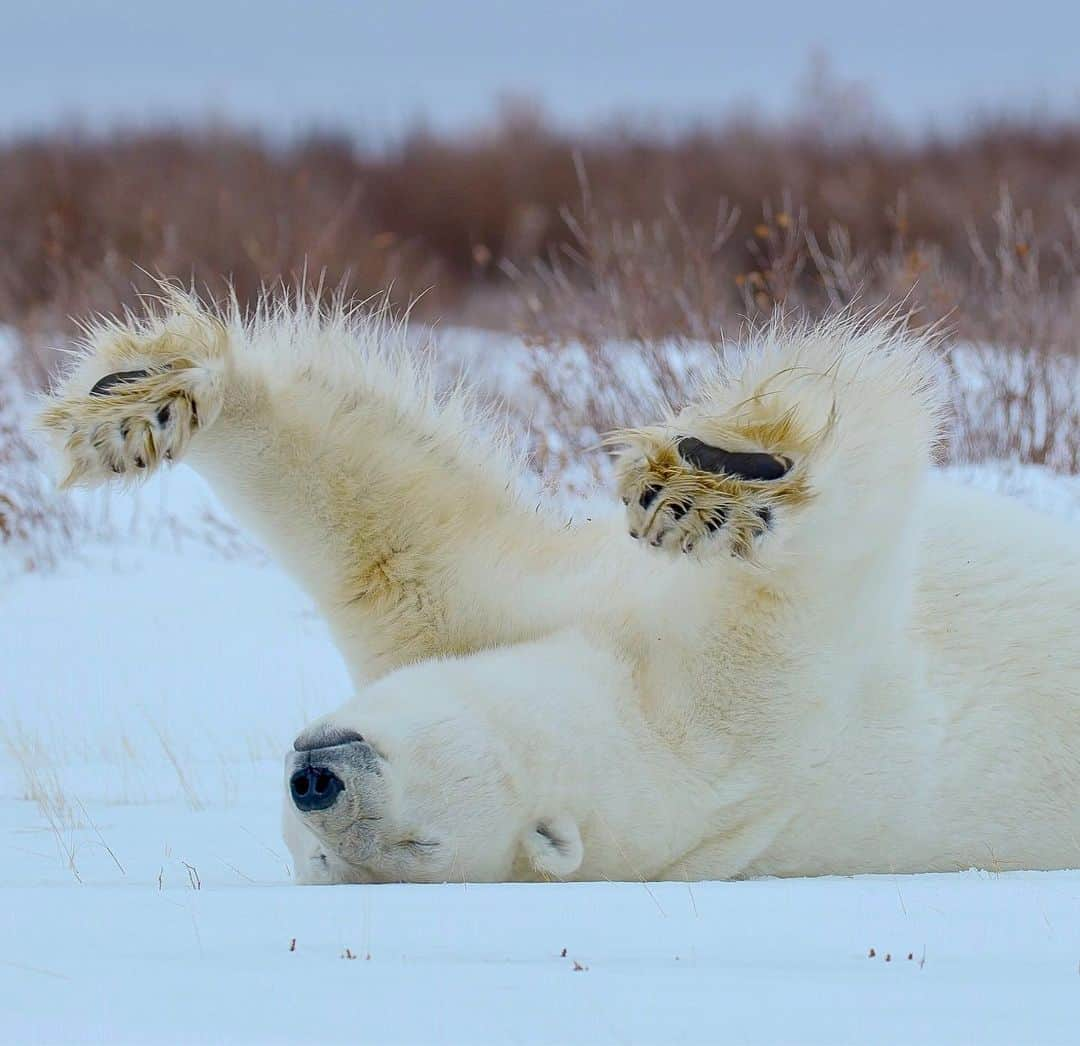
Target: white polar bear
{"x": 817, "y": 658}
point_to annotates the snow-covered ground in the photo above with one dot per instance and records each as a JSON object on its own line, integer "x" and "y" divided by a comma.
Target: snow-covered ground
{"x": 149, "y": 684}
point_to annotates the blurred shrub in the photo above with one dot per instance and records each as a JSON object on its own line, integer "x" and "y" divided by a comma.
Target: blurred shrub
{"x": 725, "y": 216}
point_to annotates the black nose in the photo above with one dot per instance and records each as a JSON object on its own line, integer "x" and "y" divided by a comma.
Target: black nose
{"x": 315, "y": 788}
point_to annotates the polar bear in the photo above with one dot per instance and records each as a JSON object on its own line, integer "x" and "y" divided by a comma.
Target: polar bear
{"x": 796, "y": 653}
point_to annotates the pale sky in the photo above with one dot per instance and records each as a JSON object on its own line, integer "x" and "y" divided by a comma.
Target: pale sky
{"x": 285, "y": 65}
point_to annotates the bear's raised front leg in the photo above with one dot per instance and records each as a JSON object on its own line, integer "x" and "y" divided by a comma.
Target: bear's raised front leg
{"x": 818, "y": 447}
{"x": 324, "y": 437}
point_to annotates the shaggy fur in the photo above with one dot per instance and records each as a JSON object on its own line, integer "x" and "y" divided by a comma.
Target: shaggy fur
{"x": 848, "y": 668}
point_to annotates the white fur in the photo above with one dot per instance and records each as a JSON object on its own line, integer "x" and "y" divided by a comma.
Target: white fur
{"x": 889, "y": 680}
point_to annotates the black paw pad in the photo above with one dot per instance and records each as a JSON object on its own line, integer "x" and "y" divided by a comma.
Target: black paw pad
{"x": 744, "y": 465}
{"x": 121, "y": 377}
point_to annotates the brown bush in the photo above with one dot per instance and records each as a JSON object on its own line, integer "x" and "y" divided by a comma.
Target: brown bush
{"x": 36, "y": 520}
{"x": 628, "y": 244}
{"x": 80, "y": 217}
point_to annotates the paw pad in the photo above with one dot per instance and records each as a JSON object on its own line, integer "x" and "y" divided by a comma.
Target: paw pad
{"x": 684, "y": 495}
{"x": 743, "y": 465}
{"x": 120, "y": 377}
{"x": 127, "y": 423}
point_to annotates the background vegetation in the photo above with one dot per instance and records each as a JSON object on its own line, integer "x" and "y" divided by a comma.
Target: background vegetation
{"x": 595, "y": 248}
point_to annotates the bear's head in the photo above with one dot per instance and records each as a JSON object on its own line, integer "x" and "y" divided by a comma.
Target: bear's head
{"x": 441, "y": 771}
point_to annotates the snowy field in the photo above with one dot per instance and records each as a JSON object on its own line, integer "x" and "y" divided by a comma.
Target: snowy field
{"x": 151, "y": 682}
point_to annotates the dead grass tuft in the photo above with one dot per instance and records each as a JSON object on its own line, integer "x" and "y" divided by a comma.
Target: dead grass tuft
{"x": 620, "y": 254}
{"x": 627, "y": 316}
{"x": 43, "y": 787}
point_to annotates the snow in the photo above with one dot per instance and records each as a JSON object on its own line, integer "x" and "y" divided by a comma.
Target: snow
{"x": 993, "y": 958}
{"x": 150, "y": 682}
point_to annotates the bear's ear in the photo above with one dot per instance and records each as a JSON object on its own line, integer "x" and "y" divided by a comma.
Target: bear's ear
{"x": 554, "y": 846}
